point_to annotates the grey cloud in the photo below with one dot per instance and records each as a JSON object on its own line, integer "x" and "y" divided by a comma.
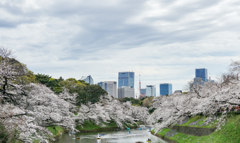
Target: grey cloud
{"x": 7, "y": 24}
{"x": 95, "y": 30}
{"x": 4, "y": 23}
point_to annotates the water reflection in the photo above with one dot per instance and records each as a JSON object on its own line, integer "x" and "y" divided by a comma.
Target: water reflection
{"x": 111, "y": 137}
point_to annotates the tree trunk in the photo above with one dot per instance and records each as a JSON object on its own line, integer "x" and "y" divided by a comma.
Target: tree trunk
{"x": 4, "y": 85}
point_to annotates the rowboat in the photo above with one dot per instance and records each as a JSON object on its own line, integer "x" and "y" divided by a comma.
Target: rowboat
{"x": 98, "y": 137}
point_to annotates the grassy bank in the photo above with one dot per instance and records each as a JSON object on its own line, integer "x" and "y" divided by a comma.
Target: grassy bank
{"x": 56, "y": 131}
{"x": 92, "y": 127}
{"x": 198, "y": 121}
{"x": 229, "y": 133}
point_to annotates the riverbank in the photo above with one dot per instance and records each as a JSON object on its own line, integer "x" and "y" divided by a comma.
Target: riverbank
{"x": 228, "y": 133}
{"x": 56, "y": 131}
{"x": 87, "y": 127}
{"x": 92, "y": 127}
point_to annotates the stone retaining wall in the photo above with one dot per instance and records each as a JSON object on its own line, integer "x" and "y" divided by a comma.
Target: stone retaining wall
{"x": 195, "y": 131}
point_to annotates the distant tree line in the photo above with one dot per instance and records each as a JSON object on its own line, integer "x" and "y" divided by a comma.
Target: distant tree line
{"x": 86, "y": 92}
{"x": 142, "y": 101}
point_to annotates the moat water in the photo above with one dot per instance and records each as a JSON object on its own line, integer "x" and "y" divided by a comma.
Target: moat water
{"x": 111, "y": 137}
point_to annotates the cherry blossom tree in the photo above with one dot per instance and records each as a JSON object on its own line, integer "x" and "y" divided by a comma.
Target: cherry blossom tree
{"x": 29, "y": 108}
{"x": 108, "y": 109}
{"x": 206, "y": 100}
{"x": 10, "y": 71}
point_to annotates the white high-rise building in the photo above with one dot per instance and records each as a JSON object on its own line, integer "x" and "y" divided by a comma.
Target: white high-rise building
{"x": 125, "y": 91}
{"x": 151, "y": 90}
{"x": 87, "y": 79}
{"x": 110, "y": 87}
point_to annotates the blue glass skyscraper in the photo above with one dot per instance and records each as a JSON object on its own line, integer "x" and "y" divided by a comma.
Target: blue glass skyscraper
{"x": 201, "y": 73}
{"x": 126, "y": 79}
{"x": 201, "y": 76}
{"x": 165, "y": 89}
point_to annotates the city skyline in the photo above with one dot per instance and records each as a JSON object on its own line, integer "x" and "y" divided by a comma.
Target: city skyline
{"x": 164, "y": 41}
{"x": 74, "y": 66}
{"x": 200, "y": 73}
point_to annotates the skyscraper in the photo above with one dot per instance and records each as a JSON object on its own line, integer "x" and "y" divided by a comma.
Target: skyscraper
{"x": 151, "y": 90}
{"x": 165, "y": 89}
{"x": 126, "y": 79}
{"x": 201, "y": 76}
{"x": 201, "y": 73}
{"x": 87, "y": 79}
{"x": 110, "y": 87}
{"x": 125, "y": 91}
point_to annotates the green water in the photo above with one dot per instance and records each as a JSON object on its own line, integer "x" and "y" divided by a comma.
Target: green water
{"x": 111, "y": 137}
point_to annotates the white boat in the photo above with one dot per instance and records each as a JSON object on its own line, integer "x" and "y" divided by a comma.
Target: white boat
{"x": 142, "y": 127}
{"x": 98, "y": 137}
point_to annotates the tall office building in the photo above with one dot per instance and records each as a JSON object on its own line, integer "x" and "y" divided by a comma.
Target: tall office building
{"x": 126, "y": 79}
{"x": 151, "y": 90}
{"x": 87, "y": 79}
{"x": 201, "y": 76}
{"x": 201, "y": 73}
{"x": 165, "y": 89}
{"x": 125, "y": 91}
{"x": 110, "y": 87}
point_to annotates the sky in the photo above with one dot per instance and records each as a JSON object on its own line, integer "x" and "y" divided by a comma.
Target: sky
{"x": 162, "y": 40}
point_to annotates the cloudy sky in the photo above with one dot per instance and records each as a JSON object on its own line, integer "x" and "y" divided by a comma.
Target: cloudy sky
{"x": 163, "y": 40}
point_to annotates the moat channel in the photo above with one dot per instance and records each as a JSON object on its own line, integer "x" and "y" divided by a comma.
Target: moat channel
{"x": 111, "y": 137}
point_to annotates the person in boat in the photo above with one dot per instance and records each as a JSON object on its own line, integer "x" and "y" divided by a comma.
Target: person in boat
{"x": 149, "y": 139}
{"x": 98, "y": 137}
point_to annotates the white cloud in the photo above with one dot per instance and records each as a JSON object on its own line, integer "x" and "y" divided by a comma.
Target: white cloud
{"x": 164, "y": 41}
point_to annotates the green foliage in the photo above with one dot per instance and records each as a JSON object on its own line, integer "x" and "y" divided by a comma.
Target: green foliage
{"x": 53, "y": 84}
{"x": 138, "y": 102}
{"x": 7, "y": 136}
{"x": 142, "y": 98}
{"x": 229, "y": 133}
{"x": 90, "y": 93}
{"x": 55, "y": 130}
{"x": 82, "y": 98}
{"x": 91, "y": 126}
{"x": 73, "y": 85}
{"x": 164, "y": 131}
{"x": 42, "y": 78}
{"x": 3, "y": 134}
{"x": 151, "y": 110}
{"x": 134, "y": 101}
{"x": 86, "y": 93}
{"x": 199, "y": 121}
{"x": 191, "y": 120}
{"x": 29, "y": 77}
